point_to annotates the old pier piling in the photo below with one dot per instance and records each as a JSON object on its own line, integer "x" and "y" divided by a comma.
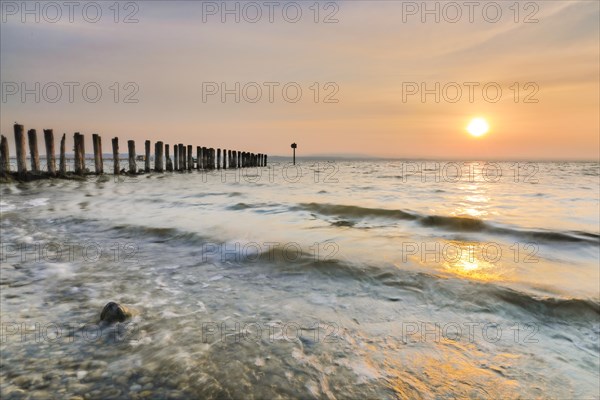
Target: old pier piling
{"x": 98, "y": 162}
{"x": 131, "y": 148}
{"x": 62, "y": 166}
{"x": 50, "y": 156}
{"x": 33, "y": 150}
{"x": 147, "y": 156}
{"x": 20, "y": 147}
{"x": 158, "y": 156}
{"x": 115, "y": 148}
{"x": 4, "y": 156}
{"x": 206, "y": 158}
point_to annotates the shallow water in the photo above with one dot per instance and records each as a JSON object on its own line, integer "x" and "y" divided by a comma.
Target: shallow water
{"x": 350, "y": 279}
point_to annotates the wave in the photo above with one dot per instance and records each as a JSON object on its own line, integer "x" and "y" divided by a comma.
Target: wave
{"x": 459, "y": 224}
{"x": 426, "y": 287}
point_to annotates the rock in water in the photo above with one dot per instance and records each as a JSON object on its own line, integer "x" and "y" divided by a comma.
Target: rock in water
{"x": 114, "y": 312}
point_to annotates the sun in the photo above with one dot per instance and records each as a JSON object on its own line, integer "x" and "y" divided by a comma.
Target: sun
{"x": 478, "y": 127}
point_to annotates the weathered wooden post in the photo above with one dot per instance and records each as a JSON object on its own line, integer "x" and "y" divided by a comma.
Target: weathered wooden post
{"x": 176, "y": 157}
{"x": 218, "y": 158}
{"x": 76, "y": 152}
{"x": 77, "y": 139}
{"x": 33, "y": 150}
{"x": 190, "y": 158}
{"x": 294, "y": 146}
{"x": 50, "y": 156}
{"x": 147, "y": 156}
{"x": 238, "y": 163}
{"x": 203, "y": 156}
{"x": 168, "y": 158}
{"x": 198, "y": 157}
{"x": 4, "y": 156}
{"x": 265, "y": 160}
{"x": 116, "y": 163}
{"x": 62, "y": 166}
{"x": 158, "y": 156}
{"x": 213, "y": 157}
{"x": 82, "y": 153}
{"x": 182, "y": 157}
{"x": 131, "y": 148}
{"x": 98, "y": 162}
{"x": 20, "y": 146}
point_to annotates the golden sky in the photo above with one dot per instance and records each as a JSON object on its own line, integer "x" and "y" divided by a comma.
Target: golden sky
{"x": 371, "y": 57}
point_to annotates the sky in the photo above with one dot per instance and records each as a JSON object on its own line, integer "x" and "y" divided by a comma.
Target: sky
{"x": 368, "y": 78}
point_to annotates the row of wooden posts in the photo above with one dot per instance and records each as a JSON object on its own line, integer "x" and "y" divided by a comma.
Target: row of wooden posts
{"x": 206, "y": 158}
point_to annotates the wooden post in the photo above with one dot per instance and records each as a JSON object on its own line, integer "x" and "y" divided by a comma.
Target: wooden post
{"x": 158, "y": 156}
{"x": 50, "y": 156}
{"x": 20, "y": 146}
{"x": 62, "y": 166}
{"x": 218, "y": 158}
{"x": 33, "y": 150}
{"x": 213, "y": 157}
{"x": 82, "y": 153}
{"x": 182, "y": 157}
{"x": 4, "y": 156}
{"x": 294, "y": 146}
{"x": 198, "y": 157}
{"x": 147, "y": 157}
{"x": 176, "y": 157}
{"x": 239, "y": 160}
{"x": 77, "y": 150}
{"x": 190, "y": 158}
{"x": 265, "y": 160}
{"x": 168, "y": 158}
{"x": 97, "y": 154}
{"x": 116, "y": 163}
{"x": 132, "y": 165}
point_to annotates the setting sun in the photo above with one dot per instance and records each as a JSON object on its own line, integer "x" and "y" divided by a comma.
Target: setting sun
{"x": 478, "y": 127}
